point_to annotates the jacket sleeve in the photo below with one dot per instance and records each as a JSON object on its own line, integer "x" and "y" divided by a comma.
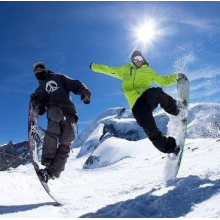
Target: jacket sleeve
{"x": 164, "y": 80}
{"x": 116, "y": 72}
{"x": 43, "y": 99}
{"x": 76, "y": 86}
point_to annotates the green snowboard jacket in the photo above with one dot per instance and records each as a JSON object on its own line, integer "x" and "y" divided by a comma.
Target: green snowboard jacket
{"x": 135, "y": 80}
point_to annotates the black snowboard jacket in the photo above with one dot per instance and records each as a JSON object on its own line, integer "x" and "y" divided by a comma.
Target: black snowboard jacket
{"x": 55, "y": 91}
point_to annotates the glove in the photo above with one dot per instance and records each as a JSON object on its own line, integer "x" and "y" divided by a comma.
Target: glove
{"x": 34, "y": 96}
{"x": 181, "y": 75}
{"x": 86, "y": 99}
{"x": 85, "y": 96}
{"x": 90, "y": 66}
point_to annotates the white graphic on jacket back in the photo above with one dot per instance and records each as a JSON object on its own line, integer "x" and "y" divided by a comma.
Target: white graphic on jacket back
{"x": 51, "y": 86}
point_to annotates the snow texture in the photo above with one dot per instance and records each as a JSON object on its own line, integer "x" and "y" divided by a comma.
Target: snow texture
{"x": 132, "y": 187}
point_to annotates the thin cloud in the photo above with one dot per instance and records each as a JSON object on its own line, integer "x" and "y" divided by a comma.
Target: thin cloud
{"x": 204, "y": 24}
{"x": 207, "y": 73}
{"x": 198, "y": 86}
{"x": 205, "y": 94}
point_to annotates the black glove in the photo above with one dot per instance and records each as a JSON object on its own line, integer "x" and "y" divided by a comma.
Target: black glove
{"x": 86, "y": 97}
{"x": 90, "y": 66}
{"x": 35, "y": 96}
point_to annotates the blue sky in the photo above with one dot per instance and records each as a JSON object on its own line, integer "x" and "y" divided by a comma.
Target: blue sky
{"x": 68, "y": 36}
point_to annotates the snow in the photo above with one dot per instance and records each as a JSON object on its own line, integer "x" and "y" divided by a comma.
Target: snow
{"x": 132, "y": 187}
{"x": 204, "y": 120}
{"x": 126, "y": 182}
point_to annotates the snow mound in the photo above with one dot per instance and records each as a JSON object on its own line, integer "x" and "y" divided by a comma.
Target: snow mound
{"x": 118, "y": 123}
{"x": 113, "y": 150}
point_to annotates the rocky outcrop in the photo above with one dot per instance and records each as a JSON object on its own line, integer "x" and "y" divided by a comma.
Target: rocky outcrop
{"x": 14, "y": 155}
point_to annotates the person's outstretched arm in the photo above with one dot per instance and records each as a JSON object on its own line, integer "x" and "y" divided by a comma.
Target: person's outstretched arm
{"x": 111, "y": 71}
{"x": 78, "y": 88}
{"x": 165, "y": 80}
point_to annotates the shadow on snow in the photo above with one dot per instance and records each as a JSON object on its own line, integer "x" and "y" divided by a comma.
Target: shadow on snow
{"x": 178, "y": 201}
{"x": 22, "y": 208}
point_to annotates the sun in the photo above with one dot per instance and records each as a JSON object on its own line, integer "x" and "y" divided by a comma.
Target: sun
{"x": 146, "y": 33}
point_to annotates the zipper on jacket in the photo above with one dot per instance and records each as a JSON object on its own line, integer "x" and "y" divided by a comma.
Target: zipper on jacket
{"x": 133, "y": 81}
{"x": 131, "y": 71}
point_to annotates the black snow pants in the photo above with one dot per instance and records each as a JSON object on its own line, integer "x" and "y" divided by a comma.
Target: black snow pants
{"x": 143, "y": 113}
{"x": 61, "y": 126}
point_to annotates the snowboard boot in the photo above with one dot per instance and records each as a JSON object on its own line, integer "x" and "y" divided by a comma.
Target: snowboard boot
{"x": 43, "y": 175}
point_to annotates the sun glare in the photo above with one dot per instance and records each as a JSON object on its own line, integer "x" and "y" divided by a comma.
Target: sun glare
{"x": 146, "y": 33}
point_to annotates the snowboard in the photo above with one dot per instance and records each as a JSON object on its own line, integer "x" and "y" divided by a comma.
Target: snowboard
{"x": 177, "y": 128}
{"x": 35, "y": 142}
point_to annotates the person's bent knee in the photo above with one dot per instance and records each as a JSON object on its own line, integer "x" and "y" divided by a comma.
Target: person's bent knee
{"x": 55, "y": 114}
{"x": 53, "y": 128}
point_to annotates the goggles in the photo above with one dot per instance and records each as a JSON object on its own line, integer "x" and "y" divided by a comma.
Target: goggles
{"x": 138, "y": 59}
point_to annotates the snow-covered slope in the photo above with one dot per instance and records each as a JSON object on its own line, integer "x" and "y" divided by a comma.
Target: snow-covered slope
{"x": 204, "y": 120}
{"x": 117, "y": 124}
{"x": 132, "y": 187}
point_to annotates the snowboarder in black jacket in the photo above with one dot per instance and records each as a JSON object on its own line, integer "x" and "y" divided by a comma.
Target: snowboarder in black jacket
{"x": 53, "y": 94}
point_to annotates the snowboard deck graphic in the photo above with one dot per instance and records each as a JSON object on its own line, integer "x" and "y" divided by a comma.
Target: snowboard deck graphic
{"x": 33, "y": 141}
{"x": 177, "y": 129}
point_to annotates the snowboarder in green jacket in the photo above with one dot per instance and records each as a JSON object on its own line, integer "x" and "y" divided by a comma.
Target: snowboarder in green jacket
{"x": 136, "y": 78}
